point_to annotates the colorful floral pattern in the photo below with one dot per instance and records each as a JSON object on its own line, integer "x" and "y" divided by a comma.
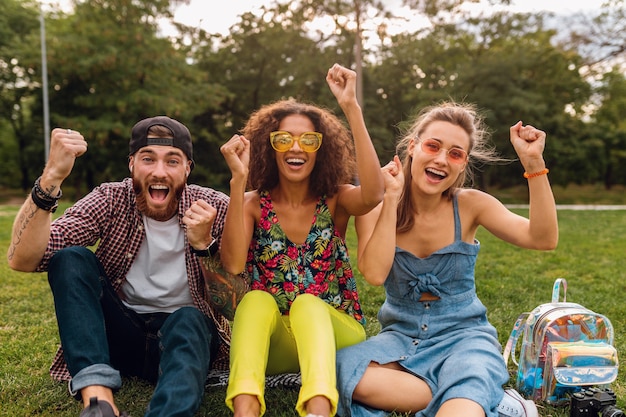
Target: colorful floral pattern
{"x": 320, "y": 266}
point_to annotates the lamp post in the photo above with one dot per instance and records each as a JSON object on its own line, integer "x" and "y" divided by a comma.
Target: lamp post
{"x": 44, "y": 86}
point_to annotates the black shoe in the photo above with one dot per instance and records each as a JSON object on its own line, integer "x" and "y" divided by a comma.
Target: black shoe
{"x": 100, "y": 409}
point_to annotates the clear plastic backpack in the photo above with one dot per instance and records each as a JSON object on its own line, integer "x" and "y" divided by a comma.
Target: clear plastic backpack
{"x": 565, "y": 348}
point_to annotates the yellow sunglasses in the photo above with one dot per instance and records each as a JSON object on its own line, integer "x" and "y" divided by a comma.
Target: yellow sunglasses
{"x": 283, "y": 141}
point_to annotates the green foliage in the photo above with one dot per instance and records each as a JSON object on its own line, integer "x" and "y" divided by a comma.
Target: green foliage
{"x": 270, "y": 71}
{"x": 18, "y": 84}
{"x": 509, "y": 281}
{"x": 110, "y": 65}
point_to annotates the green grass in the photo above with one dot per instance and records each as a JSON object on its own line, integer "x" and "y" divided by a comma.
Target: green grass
{"x": 509, "y": 281}
{"x": 571, "y": 194}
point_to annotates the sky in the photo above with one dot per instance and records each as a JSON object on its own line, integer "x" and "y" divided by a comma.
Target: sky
{"x": 220, "y": 19}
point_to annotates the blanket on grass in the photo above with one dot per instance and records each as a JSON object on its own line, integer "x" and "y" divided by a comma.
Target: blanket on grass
{"x": 219, "y": 378}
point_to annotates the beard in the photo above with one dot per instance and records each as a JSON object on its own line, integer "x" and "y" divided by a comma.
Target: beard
{"x": 158, "y": 214}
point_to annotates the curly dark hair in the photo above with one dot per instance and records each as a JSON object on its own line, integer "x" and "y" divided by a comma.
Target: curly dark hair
{"x": 335, "y": 163}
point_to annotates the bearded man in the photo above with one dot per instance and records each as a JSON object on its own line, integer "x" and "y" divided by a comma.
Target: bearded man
{"x": 130, "y": 269}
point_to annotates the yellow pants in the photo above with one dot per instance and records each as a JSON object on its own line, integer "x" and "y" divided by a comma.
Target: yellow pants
{"x": 306, "y": 340}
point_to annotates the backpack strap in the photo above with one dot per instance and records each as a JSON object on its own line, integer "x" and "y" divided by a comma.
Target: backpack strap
{"x": 556, "y": 290}
{"x": 509, "y": 349}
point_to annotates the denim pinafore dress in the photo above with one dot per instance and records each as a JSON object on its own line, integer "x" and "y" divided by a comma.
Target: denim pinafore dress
{"x": 448, "y": 343}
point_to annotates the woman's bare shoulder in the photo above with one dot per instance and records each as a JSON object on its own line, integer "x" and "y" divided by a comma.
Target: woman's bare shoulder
{"x": 474, "y": 197}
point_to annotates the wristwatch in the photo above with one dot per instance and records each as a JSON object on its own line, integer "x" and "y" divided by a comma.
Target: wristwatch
{"x": 210, "y": 250}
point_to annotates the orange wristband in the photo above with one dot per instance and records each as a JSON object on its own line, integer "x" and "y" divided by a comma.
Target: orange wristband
{"x": 536, "y": 174}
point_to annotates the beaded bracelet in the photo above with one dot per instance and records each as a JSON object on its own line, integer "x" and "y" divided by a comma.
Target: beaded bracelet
{"x": 43, "y": 193}
{"x": 536, "y": 174}
{"x": 43, "y": 199}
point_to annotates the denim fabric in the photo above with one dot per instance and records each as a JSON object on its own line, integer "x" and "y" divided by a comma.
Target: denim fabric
{"x": 98, "y": 374}
{"x": 449, "y": 342}
{"x": 100, "y": 336}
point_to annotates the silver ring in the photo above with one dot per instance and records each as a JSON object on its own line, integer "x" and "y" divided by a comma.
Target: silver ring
{"x": 69, "y": 131}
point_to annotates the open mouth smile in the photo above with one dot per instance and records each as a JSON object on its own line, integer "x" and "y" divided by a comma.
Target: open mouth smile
{"x": 435, "y": 174}
{"x": 158, "y": 192}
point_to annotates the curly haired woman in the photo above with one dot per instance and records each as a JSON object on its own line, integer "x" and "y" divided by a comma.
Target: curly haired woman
{"x": 289, "y": 234}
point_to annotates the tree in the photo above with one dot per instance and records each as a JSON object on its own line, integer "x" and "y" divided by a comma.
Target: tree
{"x": 601, "y": 37}
{"x": 541, "y": 82}
{"x": 503, "y": 63}
{"x": 108, "y": 68}
{"x": 281, "y": 54}
{"x": 110, "y": 65}
{"x": 19, "y": 27}
{"x": 267, "y": 58}
{"x": 611, "y": 128}
{"x": 350, "y": 18}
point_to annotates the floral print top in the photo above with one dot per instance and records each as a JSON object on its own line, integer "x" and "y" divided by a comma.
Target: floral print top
{"x": 320, "y": 266}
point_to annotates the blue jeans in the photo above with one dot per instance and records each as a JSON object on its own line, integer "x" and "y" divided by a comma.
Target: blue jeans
{"x": 102, "y": 338}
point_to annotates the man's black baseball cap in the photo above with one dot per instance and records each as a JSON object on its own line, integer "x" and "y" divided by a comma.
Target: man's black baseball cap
{"x": 181, "y": 137}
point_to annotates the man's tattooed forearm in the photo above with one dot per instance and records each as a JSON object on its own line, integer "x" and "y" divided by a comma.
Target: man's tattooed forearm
{"x": 21, "y": 224}
{"x": 224, "y": 290}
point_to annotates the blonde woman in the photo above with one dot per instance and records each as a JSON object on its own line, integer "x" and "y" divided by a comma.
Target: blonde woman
{"x": 437, "y": 354}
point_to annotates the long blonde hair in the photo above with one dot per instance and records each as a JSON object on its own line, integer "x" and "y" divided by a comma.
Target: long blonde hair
{"x": 459, "y": 114}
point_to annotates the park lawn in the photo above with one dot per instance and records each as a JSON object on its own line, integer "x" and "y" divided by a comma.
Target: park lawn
{"x": 590, "y": 256}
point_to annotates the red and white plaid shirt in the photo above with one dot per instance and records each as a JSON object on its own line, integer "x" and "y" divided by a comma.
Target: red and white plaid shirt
{"x": 108, "y": 216}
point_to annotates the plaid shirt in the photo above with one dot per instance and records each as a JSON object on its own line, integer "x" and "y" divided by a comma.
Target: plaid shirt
{"x": 109, "y": 216}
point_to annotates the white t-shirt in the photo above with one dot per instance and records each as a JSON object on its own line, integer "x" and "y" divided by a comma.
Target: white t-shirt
{"x": 157, "y": 279}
